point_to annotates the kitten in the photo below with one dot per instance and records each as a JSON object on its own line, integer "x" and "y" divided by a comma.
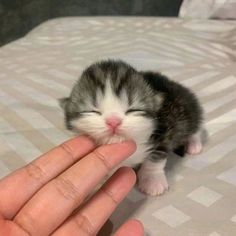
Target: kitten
{"x": 113, "y": 102}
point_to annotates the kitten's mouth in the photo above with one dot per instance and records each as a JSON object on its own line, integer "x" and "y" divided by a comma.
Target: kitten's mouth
{"x": 115, "y": 132}
{"x": 113, "y": 137}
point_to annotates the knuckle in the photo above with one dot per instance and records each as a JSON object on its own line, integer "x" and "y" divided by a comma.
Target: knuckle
{"x": 110, "y": 195}
{"x": 98, "y": 155}
{"x": 35, "y": 172}
{"x": 67, "y": 189}
{"x": 83, "y": 223}
{"x": 67, "y": 149}
{"x": 26, "y": 222}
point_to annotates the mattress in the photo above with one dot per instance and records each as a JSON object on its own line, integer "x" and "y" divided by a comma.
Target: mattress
{"x": 41, "y": 67}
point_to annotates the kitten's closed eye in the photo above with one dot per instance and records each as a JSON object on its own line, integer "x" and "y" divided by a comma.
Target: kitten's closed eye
{"x": 91, "y": 112}
{"x": 135, "y": 111}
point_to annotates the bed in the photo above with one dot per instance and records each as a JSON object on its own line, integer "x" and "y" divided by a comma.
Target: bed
{"x": 41, "y": 67}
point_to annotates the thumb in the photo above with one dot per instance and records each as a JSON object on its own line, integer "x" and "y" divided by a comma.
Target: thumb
{"x": 131, "y": 228}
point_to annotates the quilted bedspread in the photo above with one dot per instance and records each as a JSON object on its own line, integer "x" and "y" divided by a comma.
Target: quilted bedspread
{"x": 41, "y": 67}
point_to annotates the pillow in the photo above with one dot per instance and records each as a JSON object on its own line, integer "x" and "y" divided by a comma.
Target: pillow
{"x": 221, "y": 9}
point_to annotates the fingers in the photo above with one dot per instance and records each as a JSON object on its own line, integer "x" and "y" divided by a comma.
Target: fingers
{"x": 19, "y": 186}
{"x": 8, "y": 228}
{"x": 94, "y": 214}
{"x": 131, "y": 228}
{"x": 56, "y": 200}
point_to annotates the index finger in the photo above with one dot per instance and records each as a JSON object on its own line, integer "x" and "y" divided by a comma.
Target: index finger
{"x": 32, "y": 177}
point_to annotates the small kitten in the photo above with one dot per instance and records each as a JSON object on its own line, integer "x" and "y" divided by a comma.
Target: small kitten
{"x": 113, "y": 102}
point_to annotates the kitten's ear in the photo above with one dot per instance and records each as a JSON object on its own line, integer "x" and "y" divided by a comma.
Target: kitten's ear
{"x": 159, "y": 99}
{"x": 63, "y": 102}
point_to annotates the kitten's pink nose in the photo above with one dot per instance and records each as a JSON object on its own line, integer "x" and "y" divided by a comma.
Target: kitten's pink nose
{"x": 113, "y": 122}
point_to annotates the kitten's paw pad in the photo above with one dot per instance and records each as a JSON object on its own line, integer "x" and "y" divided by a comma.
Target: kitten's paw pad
{"x": 194, "y": 148}
{"x": 153, "y": 185}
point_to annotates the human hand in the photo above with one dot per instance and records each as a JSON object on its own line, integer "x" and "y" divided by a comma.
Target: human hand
{"x": 47, "y": 196}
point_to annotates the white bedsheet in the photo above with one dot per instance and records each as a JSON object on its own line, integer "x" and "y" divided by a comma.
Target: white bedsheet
{"x": 41, "y": 67}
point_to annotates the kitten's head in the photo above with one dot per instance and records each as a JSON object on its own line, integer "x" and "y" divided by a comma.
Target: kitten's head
{"x": 112, "y": 102}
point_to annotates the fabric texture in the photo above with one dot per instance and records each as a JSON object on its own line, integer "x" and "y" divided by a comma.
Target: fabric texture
{"x": 222, "y": 9}
{"x": 18, "y": 17}
{"x": 201, "y": 54}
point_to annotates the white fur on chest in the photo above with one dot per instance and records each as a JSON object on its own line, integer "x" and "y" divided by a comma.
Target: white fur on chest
{"x": 141, "y": 152}
{"x": 139, "y": 155}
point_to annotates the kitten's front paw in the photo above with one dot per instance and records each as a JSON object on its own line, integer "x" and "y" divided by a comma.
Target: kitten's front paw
{"x": 153, "y": 185}
{"x": 194, "y": 147}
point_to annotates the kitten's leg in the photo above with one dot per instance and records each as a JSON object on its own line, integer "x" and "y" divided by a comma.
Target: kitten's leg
{"x": 195, "y": 142}
{"x": 151, "y": 176}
